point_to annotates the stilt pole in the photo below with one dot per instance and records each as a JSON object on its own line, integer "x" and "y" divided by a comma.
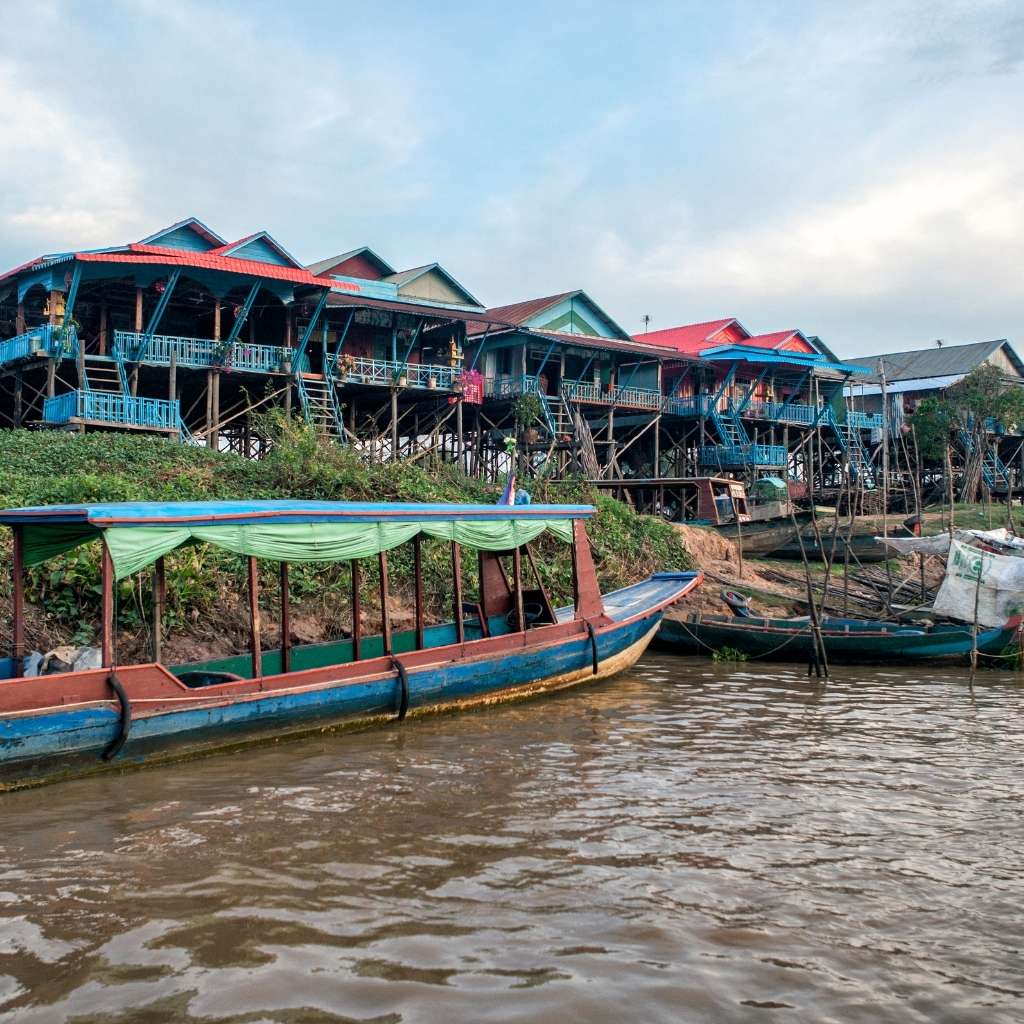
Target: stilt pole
{"x": 254, "y": 618}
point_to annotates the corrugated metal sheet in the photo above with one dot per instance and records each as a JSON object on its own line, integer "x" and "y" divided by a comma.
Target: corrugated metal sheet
{"x": 933, "y": 362}
{"x": 897, "y": 387}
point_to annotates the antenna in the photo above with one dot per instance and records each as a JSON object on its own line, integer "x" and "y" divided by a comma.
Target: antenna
{"x": 646, "y": 318}
{"x": 938, "y": 343}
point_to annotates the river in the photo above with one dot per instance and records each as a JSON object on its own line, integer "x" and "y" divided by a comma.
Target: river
{"x": 687, "y": 842}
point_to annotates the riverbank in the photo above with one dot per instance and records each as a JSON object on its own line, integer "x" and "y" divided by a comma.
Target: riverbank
{"x": 206, "y": 615}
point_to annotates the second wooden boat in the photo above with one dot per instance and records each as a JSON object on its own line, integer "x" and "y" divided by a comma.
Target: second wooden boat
{"x": 847, "y": 641}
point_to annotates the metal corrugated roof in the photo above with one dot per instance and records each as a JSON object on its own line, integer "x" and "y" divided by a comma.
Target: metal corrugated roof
{"x": 934, "y": 362}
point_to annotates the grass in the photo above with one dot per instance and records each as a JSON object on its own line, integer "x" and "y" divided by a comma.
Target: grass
{"x": 206, "y": 586}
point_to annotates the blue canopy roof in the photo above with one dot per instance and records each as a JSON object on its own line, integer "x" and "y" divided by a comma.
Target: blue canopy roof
{"x": 227, "y": 513}
{"x": 751, "y": 354}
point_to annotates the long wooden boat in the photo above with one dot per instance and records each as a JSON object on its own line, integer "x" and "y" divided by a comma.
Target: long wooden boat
{"x": 847, "y": 641}
{"x": 507, "y": 642}
{"x": 862, "y": 548}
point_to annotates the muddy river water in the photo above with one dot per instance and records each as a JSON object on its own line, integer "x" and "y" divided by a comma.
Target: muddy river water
{"x": 687, "y": 842}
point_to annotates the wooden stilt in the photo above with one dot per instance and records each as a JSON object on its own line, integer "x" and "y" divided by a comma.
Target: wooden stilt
{"x": 103, "y": 329}
{"x": 517, "y": 585}
{"x": 357, "y": 611}
{"x": 394, "y": 424}
{"x": 19, "y": 323}
{"x": 51, "y": 377}
{"x": 138, "y": 310}
{"x": 385, "y": 614}
{"x": 460, "y": 628}
{"x": 417, "y": 553}
{"x": 19, "y": 407}
{"x": 215, "y": 412}
{"x": 286, "y": 621}
{"x": 254, "y": 618}
{"x": 107, "y": 605}
{"x": 159, "y": 603}
{"x": 18, "y": 610}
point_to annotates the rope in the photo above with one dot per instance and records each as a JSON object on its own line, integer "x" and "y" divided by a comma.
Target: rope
{"x": 403, "y": 678}
{"x": 121, "y": 738}
{"x": 753, "y": 657}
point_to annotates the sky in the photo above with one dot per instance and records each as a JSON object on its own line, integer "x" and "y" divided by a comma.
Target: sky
{"x": 851, "y": 169}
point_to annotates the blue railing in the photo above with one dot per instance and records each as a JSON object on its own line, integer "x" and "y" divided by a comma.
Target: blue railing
{"x": 588, "y": 392}
{"x": 204, "y": 353}
{"x": 781, "y": 412}
{"x": 732, "y": 456}
{"x": 44, "y": 340}
{"x": 510, "y": 387}
{"x": 113, "y": 408}
{"x": 864, "y": 420}
{"x": 386, "y": 372}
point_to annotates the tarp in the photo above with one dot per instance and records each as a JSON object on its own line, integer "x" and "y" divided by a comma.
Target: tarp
{"x": 939, "y": 543}
{"x": 133, "y": 548}
{"x": 995, "y": 581}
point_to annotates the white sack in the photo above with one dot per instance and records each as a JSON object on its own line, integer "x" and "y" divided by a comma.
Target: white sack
{"x": 1000, "y": 592}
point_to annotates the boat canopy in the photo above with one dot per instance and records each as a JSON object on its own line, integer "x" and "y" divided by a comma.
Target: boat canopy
{"x": 138, "y": 533}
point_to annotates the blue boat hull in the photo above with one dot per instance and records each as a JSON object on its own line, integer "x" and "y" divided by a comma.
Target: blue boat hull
{"x": 59, "y": 742}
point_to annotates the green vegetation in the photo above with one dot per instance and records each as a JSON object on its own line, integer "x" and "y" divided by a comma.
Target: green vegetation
{"x": 724, "y": 654}
{"x": 206, "y": 586}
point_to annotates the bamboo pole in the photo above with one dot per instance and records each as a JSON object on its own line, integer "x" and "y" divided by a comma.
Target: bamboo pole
{"x": 417, "y": 555}
{"x": 159, "y": 603}
{"x": 107, "y": 609}
{"x": 460, "y": 628}
{"x": 517, "y": 573}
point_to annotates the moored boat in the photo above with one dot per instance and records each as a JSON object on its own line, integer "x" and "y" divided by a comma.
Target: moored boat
{"x": 847, "y": 641}
{"x": 508, "y": 641}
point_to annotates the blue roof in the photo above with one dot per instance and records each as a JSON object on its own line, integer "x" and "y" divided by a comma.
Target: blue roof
{"x": 750, "y": 354}
{"x": 227, "y": 513}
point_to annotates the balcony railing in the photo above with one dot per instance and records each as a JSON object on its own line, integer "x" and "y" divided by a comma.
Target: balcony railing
{"x": 386, "y": 372}
{"x": 511, "y": 387}
{"x": 594, "y": 394}
{"x": 690, "y": 405}
{"x": 204, "y": 353}
{"x": 114, "y": 408}
{"x": 781, "y": 412}
{"x": 44, "y": 340}
{"x": 731, "y": 457}
{"x": 864, "y": 420}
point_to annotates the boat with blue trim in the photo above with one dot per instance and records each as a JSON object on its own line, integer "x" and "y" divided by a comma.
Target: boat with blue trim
{"x": 507, "y": 641}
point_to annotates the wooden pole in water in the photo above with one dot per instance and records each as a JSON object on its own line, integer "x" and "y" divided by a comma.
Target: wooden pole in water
{"x": 385, "y": 615}
{"x": 254, "y": 619}
{"x": 286, "y": 621}
{"x": 107, "y": 605}
{"x": 460, "y": 627}
{"x": 517, "y": 573}
{"x": 18, "y": 612}
{"x": 357, "y": 611}
{"x": 159, "y": 603}
{"x": 417, "y": 558}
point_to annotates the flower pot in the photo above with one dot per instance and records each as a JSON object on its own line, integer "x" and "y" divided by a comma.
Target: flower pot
{"x": 403, "y": 381}
{"x": 431, "y": 383}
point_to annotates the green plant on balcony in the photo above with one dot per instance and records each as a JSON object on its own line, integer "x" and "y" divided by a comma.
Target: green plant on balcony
{"x": 525, "y": 409}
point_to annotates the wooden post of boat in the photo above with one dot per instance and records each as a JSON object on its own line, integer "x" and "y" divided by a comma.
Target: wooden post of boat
{"x": 18, "y": 592}
{"x": 107, "y": 609}
{"x": 357, "y": 611}
{"x": 417, "y": 557}
{"x": 254, "y": 618}
{"x": 385, "y": 614}
{"x": 460, "y": 628}
{"x": 286, "y": 621}
{"x": 159, "y": 603}
{"x": 517, "y": 588}
{"x": 739, "y": 534}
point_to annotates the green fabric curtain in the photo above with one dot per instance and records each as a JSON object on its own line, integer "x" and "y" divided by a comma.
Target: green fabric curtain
{"x": 133, "y": 548}
{"x": 45, "y": 542}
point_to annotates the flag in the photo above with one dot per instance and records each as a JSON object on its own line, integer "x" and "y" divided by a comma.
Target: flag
{"x": 508, "y": 496}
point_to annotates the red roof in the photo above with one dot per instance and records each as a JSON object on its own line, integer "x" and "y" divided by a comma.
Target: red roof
{"x": 788, "y": 341}
{"x": 519, "y": 312}
{"x": 689, "y": 338}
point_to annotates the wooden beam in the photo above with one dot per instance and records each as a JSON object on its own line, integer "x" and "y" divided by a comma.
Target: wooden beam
{"x": 385, "y": 615}
{"x": 357, "y": 612}
{"x": 417, "y": 555}
{"x": 107, "y": 605}
{"x": 18, "y": 612}
{"x": 460, "y": 628}
{"x": 517, "y": 588}
{"x": 254, "y": 618}
{"x": 159, "y": 603}
{"x": 286, "y": 621}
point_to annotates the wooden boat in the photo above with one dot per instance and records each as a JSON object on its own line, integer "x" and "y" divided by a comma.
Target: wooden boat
{"x": 847, "y": 641}
{"x": 509, "y": 642}
{"x": 862, "y": 546}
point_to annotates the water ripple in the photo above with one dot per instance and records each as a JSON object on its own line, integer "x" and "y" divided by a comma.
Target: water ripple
{"x": 689, "y": 842}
